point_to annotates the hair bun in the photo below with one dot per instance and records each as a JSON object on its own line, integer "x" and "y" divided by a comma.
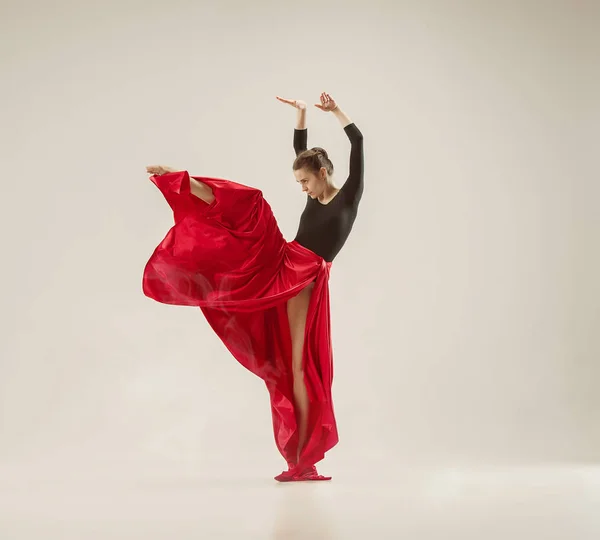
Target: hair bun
{"x": 320, "y": 151}
{"x": 313, "y": 160}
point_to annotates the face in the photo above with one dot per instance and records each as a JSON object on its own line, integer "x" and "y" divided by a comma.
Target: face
{"x": 312, "y": 184}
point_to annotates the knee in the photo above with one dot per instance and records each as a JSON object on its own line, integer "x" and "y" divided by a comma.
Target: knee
{"x": 298, "y": 372}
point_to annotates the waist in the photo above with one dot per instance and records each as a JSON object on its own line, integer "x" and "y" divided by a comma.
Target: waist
{"x": 307, "y": 253}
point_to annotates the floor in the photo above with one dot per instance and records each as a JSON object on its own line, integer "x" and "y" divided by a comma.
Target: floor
{"x": 132, "y": 501}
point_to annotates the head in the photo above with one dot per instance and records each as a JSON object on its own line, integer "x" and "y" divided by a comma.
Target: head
{"x": 313, "y": 170}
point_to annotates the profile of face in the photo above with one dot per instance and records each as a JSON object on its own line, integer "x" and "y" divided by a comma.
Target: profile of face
{"x": 312, "y": 183}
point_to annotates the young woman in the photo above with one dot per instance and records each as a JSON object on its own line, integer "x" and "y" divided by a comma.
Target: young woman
{"x": 266, "y": 299}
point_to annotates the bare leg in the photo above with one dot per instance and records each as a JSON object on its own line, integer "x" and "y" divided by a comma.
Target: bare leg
{"x": 201, "y": 190}
{"x": 198, "y": 189}
{"x": 297, "y": 309}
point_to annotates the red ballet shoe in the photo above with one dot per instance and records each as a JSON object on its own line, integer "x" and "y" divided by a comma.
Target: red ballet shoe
{"x": 286, "y": 476}
{"x": 310, "y": 475}
{"x": 307, "y": 475}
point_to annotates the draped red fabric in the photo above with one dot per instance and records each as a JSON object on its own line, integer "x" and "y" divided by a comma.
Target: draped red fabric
{"x": 230, "y": 259}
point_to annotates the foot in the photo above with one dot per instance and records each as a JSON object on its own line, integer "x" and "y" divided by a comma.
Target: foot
{"x": 307, "y": 475}
{"x": 158, "y": 170}
{"x": 310, "y": 475}
{"x": 285, "y": 476}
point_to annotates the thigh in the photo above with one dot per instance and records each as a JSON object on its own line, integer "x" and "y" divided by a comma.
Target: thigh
{"x": 297, "y": 309}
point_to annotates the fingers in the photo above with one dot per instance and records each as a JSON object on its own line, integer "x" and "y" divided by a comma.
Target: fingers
{"x": 288, "y": 101}
{"x": 327, "y": 102}
{"x": 296, "y": 103}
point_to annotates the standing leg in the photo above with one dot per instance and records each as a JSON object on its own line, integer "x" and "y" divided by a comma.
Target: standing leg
{"x": 297, "y": 309}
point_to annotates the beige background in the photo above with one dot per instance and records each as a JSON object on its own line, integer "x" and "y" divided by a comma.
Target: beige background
{"x": 464, "y": 305}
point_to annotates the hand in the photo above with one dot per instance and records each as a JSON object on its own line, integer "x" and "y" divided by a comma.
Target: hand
{"x": 293, "y": 102}
{"x": 327, "y": 104}
{"x": 157, "y": 170}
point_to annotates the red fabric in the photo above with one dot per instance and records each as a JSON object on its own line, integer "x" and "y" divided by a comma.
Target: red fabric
{"x": 230, "y": 259}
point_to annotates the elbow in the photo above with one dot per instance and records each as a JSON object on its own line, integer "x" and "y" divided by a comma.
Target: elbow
{"x": 358, "y": 142}
{"x": 355, "y": 133}
{"x": 357, "y": 139}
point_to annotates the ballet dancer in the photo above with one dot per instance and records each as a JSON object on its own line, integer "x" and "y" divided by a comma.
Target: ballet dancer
{"x": 267, "y": 299}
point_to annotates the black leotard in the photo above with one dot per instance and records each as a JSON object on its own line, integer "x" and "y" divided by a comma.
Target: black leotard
{"x": 324, "y": 228}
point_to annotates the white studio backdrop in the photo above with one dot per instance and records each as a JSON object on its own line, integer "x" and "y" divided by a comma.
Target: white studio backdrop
{"x": 464, "y": 305}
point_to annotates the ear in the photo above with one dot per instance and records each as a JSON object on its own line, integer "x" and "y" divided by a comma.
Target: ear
{"x": 323, "y": 172}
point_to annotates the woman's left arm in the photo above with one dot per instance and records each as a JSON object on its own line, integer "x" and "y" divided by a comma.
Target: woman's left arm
{"x": 354, "y": 185}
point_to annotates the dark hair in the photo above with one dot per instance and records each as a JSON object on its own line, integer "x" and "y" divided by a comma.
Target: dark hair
{"x": 313, "y": 160}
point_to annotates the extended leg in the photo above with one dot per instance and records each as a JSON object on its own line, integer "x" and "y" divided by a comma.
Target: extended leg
{"x": 198, "y": 189}
{"x": 201, "y": 190}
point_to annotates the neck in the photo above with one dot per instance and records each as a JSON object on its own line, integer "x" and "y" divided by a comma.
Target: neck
{"x": 328, "y": 192}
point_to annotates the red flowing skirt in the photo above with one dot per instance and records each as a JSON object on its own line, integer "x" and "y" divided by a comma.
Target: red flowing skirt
{"x": 230, "y": 259}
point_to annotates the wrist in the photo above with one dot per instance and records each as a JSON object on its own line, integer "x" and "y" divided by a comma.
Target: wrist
{"x": 300, "y": 118}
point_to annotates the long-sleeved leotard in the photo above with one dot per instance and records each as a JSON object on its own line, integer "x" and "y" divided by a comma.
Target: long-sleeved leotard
{"x": 324, "y": 228}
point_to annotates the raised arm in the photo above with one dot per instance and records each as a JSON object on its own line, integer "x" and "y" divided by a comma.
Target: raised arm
{"x": 300, "y": 131}
{"x": 300, "y": 138}
{"x": 354, "y": 185}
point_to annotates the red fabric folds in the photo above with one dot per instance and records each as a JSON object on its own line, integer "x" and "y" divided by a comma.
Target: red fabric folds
{"x": 230, "y": 259}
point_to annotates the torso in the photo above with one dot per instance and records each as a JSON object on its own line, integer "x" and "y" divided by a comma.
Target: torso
{"x": 325, "y": 226}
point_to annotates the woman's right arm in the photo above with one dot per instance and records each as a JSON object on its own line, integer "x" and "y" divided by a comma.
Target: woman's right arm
{"x": 300, "y": 131}
{"x": 301, "y": 117}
